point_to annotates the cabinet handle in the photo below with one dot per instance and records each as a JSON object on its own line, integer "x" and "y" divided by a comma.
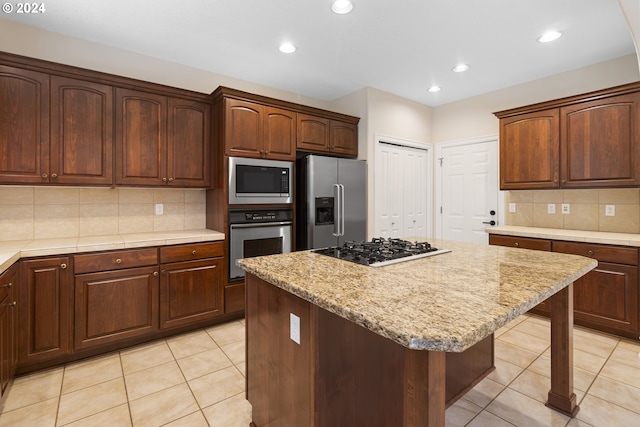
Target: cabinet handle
{"x": 12, "y": 304}
{"x": 44, "y": 176}
{"x": 63, "y": 266}
{"x": 155, "y": 273}
{"x": 193, "y": 252}
{"x": 54, "y": 175}
{"x": 590, "y": 252}
{"x": 164, "y": 179}
{"x": 8, "y": 285}
{"x": 170, "y": 179}
{"x": 163, "y": 272}
{"x": 516, "y": 244}
{"x": 118, "y": 261}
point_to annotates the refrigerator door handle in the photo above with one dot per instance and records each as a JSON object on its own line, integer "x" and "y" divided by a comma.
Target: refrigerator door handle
{"x": 341, "y": 209}
{"x": 336, "y": 210}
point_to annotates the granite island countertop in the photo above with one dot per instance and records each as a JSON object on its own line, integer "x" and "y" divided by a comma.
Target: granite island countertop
{"x": 446, "y": 302}
{"x": 12, "y": 250}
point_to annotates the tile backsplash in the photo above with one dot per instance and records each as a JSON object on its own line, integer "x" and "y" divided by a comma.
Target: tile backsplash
{"x": 587, "y": 209}
{"x": 53, "y": 212}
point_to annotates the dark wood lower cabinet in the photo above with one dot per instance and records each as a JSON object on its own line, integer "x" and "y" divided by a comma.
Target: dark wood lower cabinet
{"x": 8, "y": 352}
{"x": 115, "y": 305}
{"x": 190, "y": 291}
{"x": 44, "y": 309}
{"x": 607, "y": 298}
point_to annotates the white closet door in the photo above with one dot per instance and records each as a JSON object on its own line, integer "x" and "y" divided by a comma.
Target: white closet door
{"x": 401, "y": 180}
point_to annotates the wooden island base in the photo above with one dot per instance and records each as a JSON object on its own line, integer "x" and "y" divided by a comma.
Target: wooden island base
{"x": 342, "y": 374}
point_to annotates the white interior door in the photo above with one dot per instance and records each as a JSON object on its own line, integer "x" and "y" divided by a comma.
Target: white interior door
{"x": 468, "y": 174}
{"x": 402, "y": 190}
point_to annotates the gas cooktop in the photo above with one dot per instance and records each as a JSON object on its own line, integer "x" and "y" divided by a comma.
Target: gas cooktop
{"x": 380, "y": 251}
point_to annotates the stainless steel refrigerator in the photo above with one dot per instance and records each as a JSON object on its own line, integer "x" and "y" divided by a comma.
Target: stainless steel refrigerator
{"x": 331, "y": 201}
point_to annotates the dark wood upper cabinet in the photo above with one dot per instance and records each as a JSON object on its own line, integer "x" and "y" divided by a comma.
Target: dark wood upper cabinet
{"x": 81, "y": 132}
{"x": 188, "y": 131}
{"x": 279, "y": 133}
{"x": 530, "y": 150}
{"x": 255, "y": 130}
{"x": 601, "y": 142}
{"x": 322, "y": 135}
{"x": 585, "y": 141}
{"x": 24, "y": 126}
{"x": 141, "y": 120}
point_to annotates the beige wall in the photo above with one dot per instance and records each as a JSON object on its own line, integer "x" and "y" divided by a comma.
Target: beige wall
{"x": 55, "y": 212}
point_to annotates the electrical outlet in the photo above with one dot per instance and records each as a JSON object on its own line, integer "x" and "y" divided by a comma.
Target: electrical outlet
{"x": 610, "y": 210}
{"x": 512, "y": 207}
{"x": 159, "y": 208}
{"x": 565, "y": 208}
{"x": 551, "y": 208}
{"x": 294, "y": 328}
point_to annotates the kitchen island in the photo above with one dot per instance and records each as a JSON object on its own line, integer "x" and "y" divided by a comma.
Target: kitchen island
{"x": 335, "y": 343}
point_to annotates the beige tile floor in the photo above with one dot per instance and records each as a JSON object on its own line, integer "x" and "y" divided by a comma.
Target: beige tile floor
{"x": 197, "y": 379}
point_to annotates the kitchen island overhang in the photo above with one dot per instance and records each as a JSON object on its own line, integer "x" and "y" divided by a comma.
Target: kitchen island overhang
{"x": 446, "y": 303}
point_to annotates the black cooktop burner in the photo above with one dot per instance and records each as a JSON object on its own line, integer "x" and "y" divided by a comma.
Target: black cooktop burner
{"x": 380, "y": 251}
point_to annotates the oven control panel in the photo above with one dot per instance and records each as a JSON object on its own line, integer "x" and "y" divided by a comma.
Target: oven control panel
{"x": 274, "y": 215}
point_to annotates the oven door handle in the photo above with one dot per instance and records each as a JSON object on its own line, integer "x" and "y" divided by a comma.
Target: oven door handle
{"x": 262, "y": 224}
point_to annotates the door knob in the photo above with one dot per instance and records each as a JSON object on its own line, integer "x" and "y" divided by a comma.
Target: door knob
{"x": 492, "y": 212}
{"x": 492, "y": 222}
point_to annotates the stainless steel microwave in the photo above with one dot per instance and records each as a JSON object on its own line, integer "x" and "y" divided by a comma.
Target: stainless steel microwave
{"x": 260, "y": 181}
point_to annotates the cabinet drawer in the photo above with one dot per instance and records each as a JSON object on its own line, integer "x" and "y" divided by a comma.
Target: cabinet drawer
{"x": 117, "y": 260}
{"x": 191, "y": 252}
{"x": 606, "y": 253}
{"x": 520, "y": 242}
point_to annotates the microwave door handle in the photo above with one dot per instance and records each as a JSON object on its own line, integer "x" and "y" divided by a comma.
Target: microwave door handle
{"x": 336, "y": 210}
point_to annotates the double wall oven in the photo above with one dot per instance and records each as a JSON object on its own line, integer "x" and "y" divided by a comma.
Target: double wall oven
{"x": 260, "y": 222}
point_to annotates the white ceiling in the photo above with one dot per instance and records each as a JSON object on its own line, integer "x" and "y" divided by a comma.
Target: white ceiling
{"x": 398, "y": 46}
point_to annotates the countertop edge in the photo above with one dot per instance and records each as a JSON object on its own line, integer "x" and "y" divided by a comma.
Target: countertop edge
{"x": 12, "y": 251}
{"x": 601, "y": 237}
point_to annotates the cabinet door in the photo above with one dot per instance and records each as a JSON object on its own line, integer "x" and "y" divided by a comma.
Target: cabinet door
{"x": 81, "y": 132}
{"x": 188, "y": 140}
{"x": 44, "y": 309}
{"x": 190, "y": 291}
{"x": 601, "y": 142}
{"x": 243, "y": 128}
{"x": 115, "y": 305}
{"x": 8, "y": 353}
{"x": 530, "y": 150}
{"x": 313, "y": 133}
{"x": 607, "y": 297}
{"x": 279, "y": 138}
{"x": 344, "y": 138}
{"x": 24, "y": 126}
{"x": 140, "y": 138}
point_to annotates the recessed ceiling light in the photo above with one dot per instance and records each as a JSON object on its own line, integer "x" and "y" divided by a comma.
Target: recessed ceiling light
{"x": 287, "y": 48}
{"x": 549, "y": 36}
{"x": 460, "y": 68}
{"x": 433, "y": 89}
{"x": 342, "y": 7}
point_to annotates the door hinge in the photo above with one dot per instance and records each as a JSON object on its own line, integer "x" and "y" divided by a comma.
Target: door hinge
{"x": 441, "y": 160}
{"x": 440, "y": 209}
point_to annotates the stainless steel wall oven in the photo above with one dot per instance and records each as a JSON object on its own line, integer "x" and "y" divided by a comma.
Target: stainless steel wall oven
{"x": 257, "y": 232}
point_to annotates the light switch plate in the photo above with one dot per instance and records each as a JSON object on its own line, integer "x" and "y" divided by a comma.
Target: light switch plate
{"x": 565, "y": 208}
{"x": 294, "y": 328}
{"x": 512, "y": 207}
{"x": 159, "y": 208}
{"x": 551, "y": 208}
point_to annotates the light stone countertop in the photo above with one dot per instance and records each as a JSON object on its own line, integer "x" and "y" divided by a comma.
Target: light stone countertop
{"x": 623, "y": 239}
{"x": 11, "y": 251}
{"x": 446, "y": 302}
